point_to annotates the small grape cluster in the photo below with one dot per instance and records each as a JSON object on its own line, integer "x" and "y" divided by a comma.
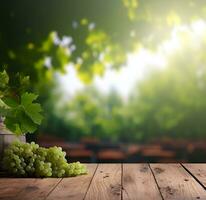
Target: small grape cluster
{"x": 30, "y": 160}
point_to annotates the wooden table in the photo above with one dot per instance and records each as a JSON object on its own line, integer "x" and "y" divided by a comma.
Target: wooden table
{"x": 114, "y": 181}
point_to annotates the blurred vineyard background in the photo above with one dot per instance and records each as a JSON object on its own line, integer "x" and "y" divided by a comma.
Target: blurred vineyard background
{"x": 119, "y": 81}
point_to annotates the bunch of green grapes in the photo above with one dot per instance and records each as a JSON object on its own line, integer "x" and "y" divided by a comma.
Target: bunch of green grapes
{"x": 30, "y": 160}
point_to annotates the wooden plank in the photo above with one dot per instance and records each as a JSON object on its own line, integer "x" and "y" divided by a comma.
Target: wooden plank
{"x": 73, "y": 188}
{"x": 11, "y": 187}
{"x": 176, "y": 183}
{"x": 39, "y": 189}
{"x": 198, "y": 171}
{"x": 106, "y": 184}
{"x": 139, "y": 183}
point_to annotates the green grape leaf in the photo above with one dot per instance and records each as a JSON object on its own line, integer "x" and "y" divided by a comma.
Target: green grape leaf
{"x": 19, "y": 122}
{"x": 4, "y": 108}
{"x": 33, "y": 110}
{"x": 3, "y": 105}
{"x": 22, "y": 114}
{"x": 12, "y": 125}
{"x": 28, "y": 98}
{"x": 10, "y": 102}
{"x": 27, "y": 124}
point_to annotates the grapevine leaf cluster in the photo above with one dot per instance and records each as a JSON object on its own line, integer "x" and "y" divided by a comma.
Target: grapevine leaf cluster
{"x": 21, "y": 113}
{"x": 30, "y": 160}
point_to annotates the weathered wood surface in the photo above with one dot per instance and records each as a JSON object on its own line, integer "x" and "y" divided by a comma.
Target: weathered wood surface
{"x": 114, "y": 181}
{"x": 106, "y": 183}
{"x": 38, "y": 189}
{"x": 176, "y": 183}
{"x": 138, "y": 182}
{"x": 73, "y": 188}
{"x": 198, "y": 171}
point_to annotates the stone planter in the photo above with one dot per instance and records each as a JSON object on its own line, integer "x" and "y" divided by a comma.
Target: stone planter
{"x": 7, "y": 137}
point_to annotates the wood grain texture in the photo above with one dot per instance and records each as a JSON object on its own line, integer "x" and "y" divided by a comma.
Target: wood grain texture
{"x": 139, "y": 183}
{"x": 38, "y": 189}
{"x": 198, "y": 171}
{"x": 106, "y": 184}
{"x": 176, "y": 184}
{"x": 73, "y": 188}
{"x": 11, "y": 187}
{"x": 114, "y": 182}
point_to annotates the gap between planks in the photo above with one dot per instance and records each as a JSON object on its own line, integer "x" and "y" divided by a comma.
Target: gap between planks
{"x": 123, "y": 181}
{"x": 73, "y": 188}
{"x": 139, "y": 183}
{"x": 197, "y": 171}
{"x": 106, "y": 183}
{"x": 176, "y": 183}
{"x": 90, "y": 181}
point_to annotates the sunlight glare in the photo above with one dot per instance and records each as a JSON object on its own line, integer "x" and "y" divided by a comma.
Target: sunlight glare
{"x": 138, "y": 65}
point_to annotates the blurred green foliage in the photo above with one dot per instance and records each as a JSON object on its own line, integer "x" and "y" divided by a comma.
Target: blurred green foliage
{"x": 169, "y": 102}
{"x": 91, "y": 34}
{"x": 39, "y": 38}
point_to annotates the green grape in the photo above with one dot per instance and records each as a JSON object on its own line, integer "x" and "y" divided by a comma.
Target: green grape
{"x": 30, "y": 160}
{"x": 75, "y": 169}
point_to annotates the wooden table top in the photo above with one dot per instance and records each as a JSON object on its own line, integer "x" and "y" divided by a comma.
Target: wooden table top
{"x": 114, "y": 181}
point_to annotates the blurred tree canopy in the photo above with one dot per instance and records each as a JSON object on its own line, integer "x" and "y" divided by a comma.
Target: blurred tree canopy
{"x": 172, "y": 101}
{"x": 88, "y": 113}
{"x": 39, "y": 38}
{"x": 169, "y": 102}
